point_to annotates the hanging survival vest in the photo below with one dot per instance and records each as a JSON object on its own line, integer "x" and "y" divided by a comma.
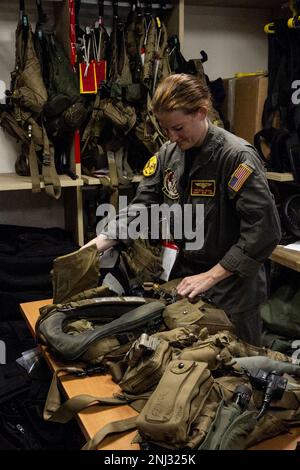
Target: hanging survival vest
{"x": 65, "y": 109}
{"x": 281, "y": 115}
{"x": 22, "y": 116}
{"x": 179, "y": 64}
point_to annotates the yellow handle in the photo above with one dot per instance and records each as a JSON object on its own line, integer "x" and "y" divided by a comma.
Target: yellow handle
{"x": 269, "y": 28}
{"x": 293, "y": 22}
{"x": 250, "y": 74}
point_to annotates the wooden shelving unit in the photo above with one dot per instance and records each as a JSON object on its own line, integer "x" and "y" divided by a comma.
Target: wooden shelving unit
{"x": 14, "y": 182}
{"x": 281, "y": 177}
{"x": 92, "y": 180}
{"x": 286, "y": 257}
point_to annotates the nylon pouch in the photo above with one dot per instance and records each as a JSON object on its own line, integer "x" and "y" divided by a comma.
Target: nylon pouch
{"x": 148, "y": 371}
{"x": 230, "y": 428}
{"x": 75, "y": 272}
{"x": 121, "y": 115}
{"x": 183, "y": 313}
{"x": 204, "y": 352}
{"x": 168, "y": 416}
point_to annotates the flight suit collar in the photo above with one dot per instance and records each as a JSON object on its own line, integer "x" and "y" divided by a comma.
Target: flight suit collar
{"x": 212, "y": 141}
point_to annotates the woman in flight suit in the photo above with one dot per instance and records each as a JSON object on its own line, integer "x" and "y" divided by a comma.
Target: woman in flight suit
{"x": 204, "y": 164}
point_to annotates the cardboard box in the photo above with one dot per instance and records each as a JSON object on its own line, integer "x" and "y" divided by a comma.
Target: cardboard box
{"x": 250, "y": 95}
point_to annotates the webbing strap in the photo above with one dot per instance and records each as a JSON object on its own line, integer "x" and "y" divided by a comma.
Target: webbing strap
{"x": 50, "y": 176}
{"x": 34, "y": 169}
{"x": 111, "y": 428}
{"x": 55, "y": 411}
{"x": 113, "y": 173}
{"x": 124, "y": 171}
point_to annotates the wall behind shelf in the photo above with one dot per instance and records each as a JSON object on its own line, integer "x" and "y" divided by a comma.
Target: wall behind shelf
{"x": 20, "y": 207}
{"x": 8, "y": 20}
{"x": 233, "y": 38}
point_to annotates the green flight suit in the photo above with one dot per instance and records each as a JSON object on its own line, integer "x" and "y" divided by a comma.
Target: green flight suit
{"x": 241, "y": 222}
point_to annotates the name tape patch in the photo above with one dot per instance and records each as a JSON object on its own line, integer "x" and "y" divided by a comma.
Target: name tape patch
{"x": 203, "y": 188}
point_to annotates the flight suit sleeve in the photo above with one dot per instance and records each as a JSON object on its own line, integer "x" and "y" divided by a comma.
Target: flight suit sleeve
{"x": 260, "y": 229}
{"x": 149, "y": 192}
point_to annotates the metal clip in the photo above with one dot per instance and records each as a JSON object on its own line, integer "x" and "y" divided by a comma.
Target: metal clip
{"x": 147, "y": 343}
{"x": 65, "y": 308}
{"x": 101, "y": 369}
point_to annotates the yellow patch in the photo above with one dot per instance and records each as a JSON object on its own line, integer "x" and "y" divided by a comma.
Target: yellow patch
{"x": 239, "y": 177}
{"x": 203, "y": 188}
{"x": 150, "y": 167}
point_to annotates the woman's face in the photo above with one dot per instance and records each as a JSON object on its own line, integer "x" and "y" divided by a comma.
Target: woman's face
{"x": 187, "y": 130}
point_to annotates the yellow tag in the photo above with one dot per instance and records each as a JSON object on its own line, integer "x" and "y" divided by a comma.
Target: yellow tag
{"x": 150, "y": 167}
{"x": 158, "y": 22}
{"x": 87, "y": 78}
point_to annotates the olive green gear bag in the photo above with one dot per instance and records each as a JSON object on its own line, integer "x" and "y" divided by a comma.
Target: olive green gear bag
{"x": 149, "y": 356}
{"x": 239, "y": 348}
{"x": 225, "y": 349}
{"x": 74, "y": 273}
{"x": 143, "y": 261}
{"x": 143, "y": 374}
{"x": 168, "y": 416}
{"x": 230, "y": 428}
{"x": 280, "y": 313}
{"x": 120, "y": 114}
{"x": 204, "y": 314}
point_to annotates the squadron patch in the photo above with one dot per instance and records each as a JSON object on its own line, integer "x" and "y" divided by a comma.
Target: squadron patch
{"x": 150, "y": 167}
{"x": 170, "y": 185}
{"x": 239, "y": 177}
{"x": 203, "y": 188}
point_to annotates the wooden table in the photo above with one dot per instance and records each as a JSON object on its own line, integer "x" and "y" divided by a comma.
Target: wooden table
{"x": 93, "y": 419}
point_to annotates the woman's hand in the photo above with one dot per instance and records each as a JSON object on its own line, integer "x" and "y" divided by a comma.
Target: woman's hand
{"x": 192, "y": 286}
{"x": 102, "y": 242}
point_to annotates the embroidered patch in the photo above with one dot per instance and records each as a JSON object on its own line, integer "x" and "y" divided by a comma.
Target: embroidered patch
{"x": 150, "y": 167}
{"x": 170, "y": 185}
{"x": 203, "y": 188}
{"x": 239, "y": 177}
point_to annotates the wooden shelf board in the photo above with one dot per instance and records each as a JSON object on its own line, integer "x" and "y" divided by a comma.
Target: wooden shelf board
{"x": 274, "y": 176}
{"x": 286, "y": 257}
{"x": 12, "y": 182}
{"x": 92, "y": 180}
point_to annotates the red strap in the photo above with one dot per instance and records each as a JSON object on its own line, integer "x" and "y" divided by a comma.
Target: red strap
{"x": 72, "y": 31}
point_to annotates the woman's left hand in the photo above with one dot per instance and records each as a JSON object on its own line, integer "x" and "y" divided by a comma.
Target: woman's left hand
{"x": 192, "y": 286}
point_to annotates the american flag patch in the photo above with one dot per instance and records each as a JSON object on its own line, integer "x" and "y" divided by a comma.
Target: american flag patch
{"x": 239, "y": 177}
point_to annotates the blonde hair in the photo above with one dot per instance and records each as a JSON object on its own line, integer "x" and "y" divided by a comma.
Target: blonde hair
{"x": 181, "y": 92}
